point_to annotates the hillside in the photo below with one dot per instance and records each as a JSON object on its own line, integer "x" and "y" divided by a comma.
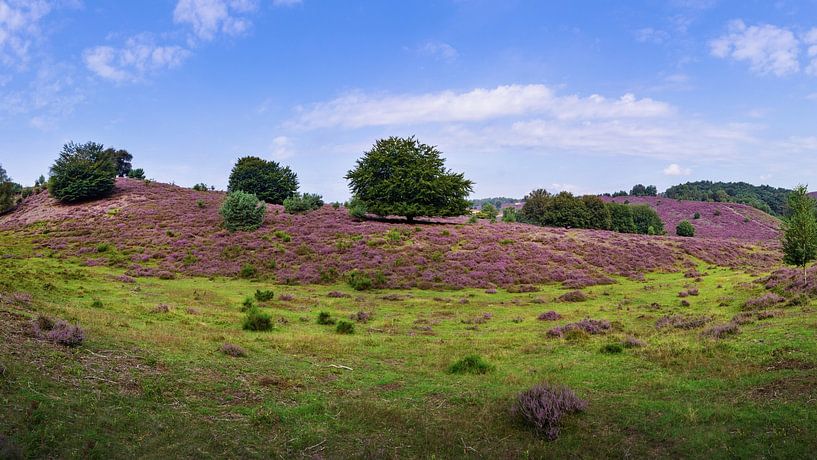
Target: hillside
{"x": 766, "y": 198}
{"x": 161, "y": 230}
{"x": 717, "y": 220}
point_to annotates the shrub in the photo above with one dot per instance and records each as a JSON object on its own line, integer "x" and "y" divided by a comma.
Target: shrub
{"x": 549, "y": 316}
{"x": 248, "y": 303}
{"x": 588, "y": 326}
{"x": 7, "y": 196}
{"x": 66, "y": 334}
{"x": 97, "y": 304}
{"x": 297, "y": 203}
{"x": 696, "y": 216}
{"x": 357, "y": 208}
{"x": 201, "y": 187}
{"x": 233, "y": 350}
{"x": 283, "y": 236}
{"x": 358, "y": 280}
{"x": 345, "y": 327}
{"x": 256, "y": 320}
{"x": 137, "y": 173}
{"x": 685, "y": 229}
{"x": 267, "y": 180}
{"x": 722, "y": 330}
{"x": 645, "y": 217}
{"x": 264, "y": 296}
{"x": 573, "y": 296}
{"x": 337, "y": 294}
{"x": 473, "y": 219}
{"x": 765, "y": 301}
{"x": 612, "y": 348}
{"x": 509, "y": 215}
{"x": 248, "y": 271}
{"x": 242, "y": 211}
{"x": 361, "y": 317}
{"x": 161, "y": 308}
{"x": 632, "y": 342}
{"x": 325, "y": 319}
{"x": 471, "y": 364}
{"x": 543, "y": 406}
{"x": 201, "y": 204}
{"x": 82, "y": 172}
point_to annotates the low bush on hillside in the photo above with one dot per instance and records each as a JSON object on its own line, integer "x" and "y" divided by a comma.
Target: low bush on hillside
{"x": 59, "y": 332}
{"x": 358, "y": 280}
{"x": 612, "y": 348}
{"x": 298, "y": 203}
{"x": 685, "y": 229}
{"x": 471, "y": 364}
{"x": 357, "y": 209}
{"x": 233, "y": 350}
{"x": 765, "y": 301}
{"x": 247, "y": 271}
{"x": 543, "y": 407}
{"x": 633, "y": 342}
{"x": 264, "y": 296}
{"x": 345, "y": 327}
{"x": 721, "y": 331}
{"x": 242, "y": 212}
{"x": 588, "y": 326}
{"x": 361, "y": 317}
{"x": 325, "y": 319}
{"x": 549, "y": 316}
{"x": 573, "y": 296}
{"x": 256, "y": 320}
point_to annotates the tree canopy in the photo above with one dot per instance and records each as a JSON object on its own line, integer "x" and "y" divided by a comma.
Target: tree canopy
{"x": 122, "y": 159}
{"x": 800, "y": 229}
{"x": 82, "y": 172}
{"x": 768, "y": 199}
{"x": 404, "y": 177}
{"x": 267, "y": 180}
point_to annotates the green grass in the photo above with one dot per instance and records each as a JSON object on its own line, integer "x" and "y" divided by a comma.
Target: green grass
{"x": 147, "y": 384}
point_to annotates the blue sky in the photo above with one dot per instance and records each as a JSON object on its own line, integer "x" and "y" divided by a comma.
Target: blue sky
{"x": 581, "y": 96}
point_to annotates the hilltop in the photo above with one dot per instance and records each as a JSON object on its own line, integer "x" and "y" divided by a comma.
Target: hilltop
{"x": 154, "y": 229}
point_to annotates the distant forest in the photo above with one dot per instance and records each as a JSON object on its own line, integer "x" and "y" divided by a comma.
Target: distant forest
{"x": 769, "y": 199}
{"x": 498, "y": 202}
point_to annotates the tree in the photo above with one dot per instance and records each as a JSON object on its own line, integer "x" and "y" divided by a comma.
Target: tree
{"x": 800, "y": 230}
{"x": 298, "y": 204}
{"x": 647, "y": 221}
{"x": 621, "y": 218}
{"x": 4, "y": 177}
{"x": 82, "y": 172}
{"x": 137, "y": 173}
{"x": 598, "y": 213}
{"x": 268, "y": 180}
{"x": 489, "y": 212}
{"x": 685, "y": 228}
{"x": 535, "y": 206}
{"x": 242, "y": 211}
{"x": 565, "y": 210}
{"x": 7, "y": 195}
{"x": 638, "y": 190}
{"x": 404, "y": 177}
{"x": 122, "y": 159}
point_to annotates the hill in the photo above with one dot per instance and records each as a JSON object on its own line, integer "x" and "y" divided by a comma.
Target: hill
{"x": 766, "y": 198}
{"x": 162, "y": 230}
{"x": 717, "y": 220}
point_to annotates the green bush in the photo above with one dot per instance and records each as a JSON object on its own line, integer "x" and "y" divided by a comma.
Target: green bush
{"x": 248, "y": 304}
{"x": 685, "y": 229}
{"x": 509, "y": 215}
{"x": 358, "y": 280}
{"x": 257, "y": 320}
{"x": 242, "y": 211}
{"x": 297, "y": 203}
{"x": 82, "y": 172}
{"x": 345, "y": 327}
{"x": 612, "y": 348}
{"x": 325, "y": 319}
{"x": 357, "y": 209}
{"x": 696, "y": 216}
{"x": 267, "y": 180}
{"x": 7, "y": 195}
{"x": 137, "y": 173}
{"x": 248, "y": 271}
{"x": 471, "y": 364}
{"x": 264, "y": 296}
{"x": 201, "y": 187}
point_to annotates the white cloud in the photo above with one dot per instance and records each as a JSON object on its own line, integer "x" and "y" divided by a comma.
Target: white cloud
{"x": 650, "y": 35}
{"x": 810, "y": 39}
{"x": 138, "y": 58}
{"x": 282, "y": 148}
{"x": 676, "y": 170}
{"x": 768, "y": 49}
{"x": 19, "y": 28}
{"x": 357, "y": 109}
{"x": 211, "y": 17}
{"x": 50, "y": 95}
{"x": 438, "y": 50}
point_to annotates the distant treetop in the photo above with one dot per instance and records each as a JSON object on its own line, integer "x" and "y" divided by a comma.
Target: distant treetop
{"x": 267, "y": 180}
{"x": 765, "y": 198}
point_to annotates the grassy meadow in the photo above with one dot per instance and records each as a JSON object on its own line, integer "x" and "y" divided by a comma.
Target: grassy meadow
{"x": 152, "y": 383}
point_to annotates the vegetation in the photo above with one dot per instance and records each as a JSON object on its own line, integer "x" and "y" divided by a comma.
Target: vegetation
{"x": 641, "y": 190}
{"x": 800, "y": 230}
{"x": 299, "y": 204}
{"x": 685, "y": 229}
{"x": 242, "y": 212}
{"x": 82, "y": 172}
{"x": 267, "y": 180}
{"x": 404, "y": 177}
{"x": 471, "y": 364}
{"x": 122, "y": 159}
{"x": 768, "y": 199}
{"x": 137, "y": 173}
{"x": 496, "y": 202}
{"x": 256, "y": 320}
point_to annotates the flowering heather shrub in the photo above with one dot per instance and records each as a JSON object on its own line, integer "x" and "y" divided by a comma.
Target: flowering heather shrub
{"x": 549, "y": 316}
{"x": 286, "y": 297}
{"x": 257, "y": 321}
{"x": 573, "y": 296}
{"x": 681, "y": 322}
{"x": 233, "y": 350}
{"x": 125, "y": 279}
{"x": 66, "y": 334}
{"x": 325, "y": 319}
{"x": 721, "y": 331}
{"x": 471, "y": 364}
{"x": 543, "y": 406}
{"x": 745, "y": 317}
{"x": 633, "y": 342}
{"x": 361, "y": 317}
{"x": 337, "y": 294}
{"x": 765, "y": 301}
{"x": 693, "y": 292}
{"x": 264, "y": 296}
{"x": 767, "y": 314}
{"x": 587, "y": 325}
{"x": 345, "y": 327}
{"x": 161, "y": 308}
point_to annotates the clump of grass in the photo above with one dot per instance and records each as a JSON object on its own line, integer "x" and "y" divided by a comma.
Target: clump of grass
{"x": 471, "y": 364}
{"x": 264, "y": 296}
{"x": 325, "y": 319}
{"x": 543, "y": 406}
{"x": 97, "y": 304}
{"x": 233, "y": 350}
{"x": 345, "y": 327}
{"x": 256, "y": 320}
{"x": 248, "y": 303}
{"x": 573, "y": 296}
{"x": 612, "y": 348}
{"x": 286, "y": 297}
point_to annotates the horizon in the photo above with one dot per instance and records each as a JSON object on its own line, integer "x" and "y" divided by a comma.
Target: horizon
{"x": 584, "y": 98}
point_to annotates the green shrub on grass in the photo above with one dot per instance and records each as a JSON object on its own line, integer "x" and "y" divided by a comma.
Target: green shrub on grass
{"x": 471, "y": 364}
{"x": 345, "y": 327}
{"x": 248, "y": 304}
{"x": 264, "y": 296}
{"x": 97, "y": 304}
{"x": 358, "y": 280}
{"x": 612, "y": 348}
{"x": 325, "y": 319}
{"x": 248, "y": 271}
{"x": 256, "y": 320}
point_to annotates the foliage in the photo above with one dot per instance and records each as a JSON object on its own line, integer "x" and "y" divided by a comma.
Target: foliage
{"x": 598, "y": 214}
{"x": 403, "y": 177}
{"x": 647, "y": 221}
{"x": 543, "y": 406}
{"x": 137, "y": 173}
{"x": 4, "y": 177}
{"x": 256, "y": 320}
{"x": 358, "y": 280}
{"x": 59, "y": 332}
{"x": 247, "y": 271}
{"x": 510, "y": 215}
{"x": 122, "y": 159}
{"x": 641, "y": 190}
{"x": 768, "y": 199}
{"x": 267, "y": 180}
{"x": 357, "y": 208}
{"x": 264, "y": 296}
{"x": 535, "y": 207}
{"x": 82, "y": 172}
{"x": 612, "y": 348}
{"x": 345, "y": 327}
{"x": 242, "y": 211}
{"x": 297, "y": 203}
{"x": 497, "y": 202}
{"x": 621, "y": 218}
{"x": 7, "y": 196}
{"x": 201, "y": 187}
{"x": 685, "y": 229}
{"x": 233, "y": 350}
{"x": 489, "y": 212}
{"x": 471, "y": 364}
{"x": 325, "y": 319}
{"x": 800, "y": 230}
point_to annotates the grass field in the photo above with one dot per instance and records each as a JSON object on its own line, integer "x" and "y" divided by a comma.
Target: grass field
{"x": 147, "y": 383}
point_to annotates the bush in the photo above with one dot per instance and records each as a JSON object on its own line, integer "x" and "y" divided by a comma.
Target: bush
{"x": 543, "y": 406}
{"x": 765, "y": 301}
{"x": 97, "y": 304}
{"x": 82, "y": 172}
{"x": 549, "y": 316}
{"x": 66, "y": 334}
{"x": 357, "y": 209}
{"x": 361, "y": 317}
{"x": 325, "y": 319}
{"x": 471, "y": 364}
{"x": 587, "y": 326}
{"x": 645, "y": 217}
{"x": 633, "y": 342}
{"x": 233, "y": 350}
{"x": 264, "y": 296}
{"x": 345, "y": 327}
{"x": 7, "y": 195}
{"x": 298, "y": 203}
{"x": 242, "y": 211}
{"x": 248, "y": 304}
{"x": 612, "y": 348}
{"x": 358, "y": 280}
{"x": 509, "y": 215}
{"x": 257, "y": 321}
{"x": 137, "y": 173}
{"x": 722, "y": 330}
{"x": 573, "y": 296}
{"x": 267, "y": 180}
{"x": 685, "y": 229}
{"x": 201, "y": 187}
{"x": 696, "y": 216}
{"x": 248, "y": 271}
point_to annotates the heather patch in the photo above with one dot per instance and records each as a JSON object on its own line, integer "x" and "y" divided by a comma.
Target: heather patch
{"x": 765, "y": 301}
{"x": 573, "y": 296}
{"x": 587, "y": 325}
{"x": 543, "y": 407}
{"x": 233, "y": 350}
{"x": 549, "y": 316}
{"x": 721, "y": 331}
{"x": 681, "y": 322}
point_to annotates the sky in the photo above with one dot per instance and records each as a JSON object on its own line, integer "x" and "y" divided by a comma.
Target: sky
{"x": 583, "y": 96}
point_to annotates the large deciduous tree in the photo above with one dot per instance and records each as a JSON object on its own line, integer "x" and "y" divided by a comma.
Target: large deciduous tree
{"x": 800, "y": 230}
{"x": 404, "y": 177}
{"x": 267, "y": 180}
{"x": 82, "y": 172}
{"x": 122, "y": 159}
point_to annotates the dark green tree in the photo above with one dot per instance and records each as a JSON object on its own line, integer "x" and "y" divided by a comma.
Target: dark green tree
{"x": 800, "y": 230}
{"x": 685, "y": 228}
{"x": 647, "y": 221}
{"x": 404, "y": 177}
{"x": 122, "y": 159}
{"x": 7, "y": 196}
{"x": 535, "y": 207}
{"x": 4, "y": 177}
{"x": 565, "y": 210}
{"x": 137, "y": 173}
{"x": 598, "y": 213}
{"x": 267, "y": 180}
{"x": 621, "y": 217}
{"x": 82, "y": 172}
